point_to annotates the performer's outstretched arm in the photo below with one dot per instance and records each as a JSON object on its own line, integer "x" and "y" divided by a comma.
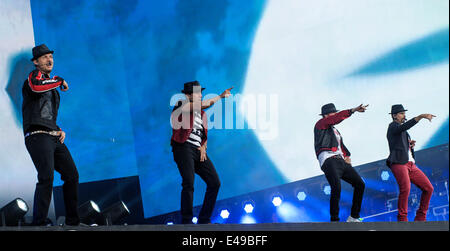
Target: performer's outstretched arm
{"x": 39, "y": 84}
{"x": 205, "y": 104}
{"x": 398, "y": 128}
{"x": 424, "y": 116}
{"x": 325, "y": 123}
{"x": 210, "y": 102}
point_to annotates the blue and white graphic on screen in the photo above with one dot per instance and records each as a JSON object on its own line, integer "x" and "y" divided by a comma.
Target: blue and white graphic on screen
{"x": 124, "y": 61}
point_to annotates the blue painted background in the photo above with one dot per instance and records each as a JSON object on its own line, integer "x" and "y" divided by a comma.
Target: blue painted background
{"x": 123, "y": 61}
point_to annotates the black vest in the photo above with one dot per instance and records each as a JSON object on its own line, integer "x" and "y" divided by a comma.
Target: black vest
{"x": 325, "y": 140}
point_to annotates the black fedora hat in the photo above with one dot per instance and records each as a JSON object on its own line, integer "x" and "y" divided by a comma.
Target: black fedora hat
{"x": 397, "y": 108}
{"x": 328, "y": 108}
{"x": 192, "y": 86}
{"x": 40, "y": 50}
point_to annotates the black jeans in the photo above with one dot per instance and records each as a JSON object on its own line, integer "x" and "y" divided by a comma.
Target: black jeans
{"x": 48, "y": 154}
{"x": 187, "y": 158}
{"x": 336, "y": 169}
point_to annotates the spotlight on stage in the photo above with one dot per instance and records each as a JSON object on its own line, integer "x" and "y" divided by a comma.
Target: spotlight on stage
{"x": 301, "y": 196}
{"x": 327, "y": 190}
{"x": 247, "y": 219}
{"x": 169, "y": 221}
{"x": 12, "y": 214}
{"x": 195, "y": 220}
{"x": 115, "y": 213}
{"x": 224, "y": 214}
{"x": 277, "y": 200}
{"x": 88, "y": 212}
{"x": 248, "y": 208}
{"x": 385, "y": 175}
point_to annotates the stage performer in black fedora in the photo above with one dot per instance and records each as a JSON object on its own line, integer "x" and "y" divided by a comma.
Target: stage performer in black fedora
{"x": 189, "y": 144}
{"x": 401, "y": 160}
{"x": 44, "y": 139}
{"x": 334, "y": 159}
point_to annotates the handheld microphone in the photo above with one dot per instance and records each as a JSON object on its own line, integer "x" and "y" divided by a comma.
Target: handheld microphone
{"x": 63, "y": 87}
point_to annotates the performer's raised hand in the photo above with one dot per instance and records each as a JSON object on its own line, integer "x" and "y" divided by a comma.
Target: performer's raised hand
{"x": 226, "y": 93}
{"x": 360, "y": 108}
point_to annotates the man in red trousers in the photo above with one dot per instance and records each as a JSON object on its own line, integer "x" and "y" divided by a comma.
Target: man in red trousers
{"x": 402, "y": 163}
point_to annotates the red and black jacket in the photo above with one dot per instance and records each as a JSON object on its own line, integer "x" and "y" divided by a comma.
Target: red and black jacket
{"x": 324, "y": 137}
{"x": 182, "y": 128}
{"x": 40, "y": 101}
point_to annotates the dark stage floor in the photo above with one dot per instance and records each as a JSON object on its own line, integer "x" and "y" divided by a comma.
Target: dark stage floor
{"x": 319, "y": 226}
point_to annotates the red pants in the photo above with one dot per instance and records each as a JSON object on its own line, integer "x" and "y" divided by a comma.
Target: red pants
{"x": 405, "y": 175}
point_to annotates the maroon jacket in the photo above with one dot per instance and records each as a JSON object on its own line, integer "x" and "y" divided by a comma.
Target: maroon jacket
{"x": 182, "y": 134}
{"x": 324, "y": 138}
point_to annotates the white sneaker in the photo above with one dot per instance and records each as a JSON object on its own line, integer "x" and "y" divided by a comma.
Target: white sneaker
{"x": 351, "y": 219}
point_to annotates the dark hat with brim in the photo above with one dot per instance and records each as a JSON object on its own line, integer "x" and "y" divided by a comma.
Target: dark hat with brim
{"x": 328, "y": 108}
{"x": 191, "y": 87}
{"x": 40, "y": 50}
{"x": 397, "y": 108}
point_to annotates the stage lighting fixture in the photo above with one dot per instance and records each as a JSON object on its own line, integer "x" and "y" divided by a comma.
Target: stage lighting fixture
{"x": 301, "y": 196}
{"x": 247, "y": 219}
{"x": 224, "y": 214}
{"x": 276, "y": 201}
{"x": 88, "y": 212}
{"x": 169, "y": 221}
{"x": 384, "y": 175}
{"x": 115, "y": 213}
{"x": 12, "y": 213}
{"x": 248, "y": 208}
{"x": 327, "y": 190}
{"x": 195, "y": 220}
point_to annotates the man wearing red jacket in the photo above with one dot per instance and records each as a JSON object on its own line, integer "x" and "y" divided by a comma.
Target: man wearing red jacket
{"x": 334, "y": 159}
{"x": 189, "y": 143}
{"x": 45, "y": 140}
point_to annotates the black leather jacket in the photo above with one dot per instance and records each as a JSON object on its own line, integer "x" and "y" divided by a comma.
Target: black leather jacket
{"x": 40, "y": 101}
